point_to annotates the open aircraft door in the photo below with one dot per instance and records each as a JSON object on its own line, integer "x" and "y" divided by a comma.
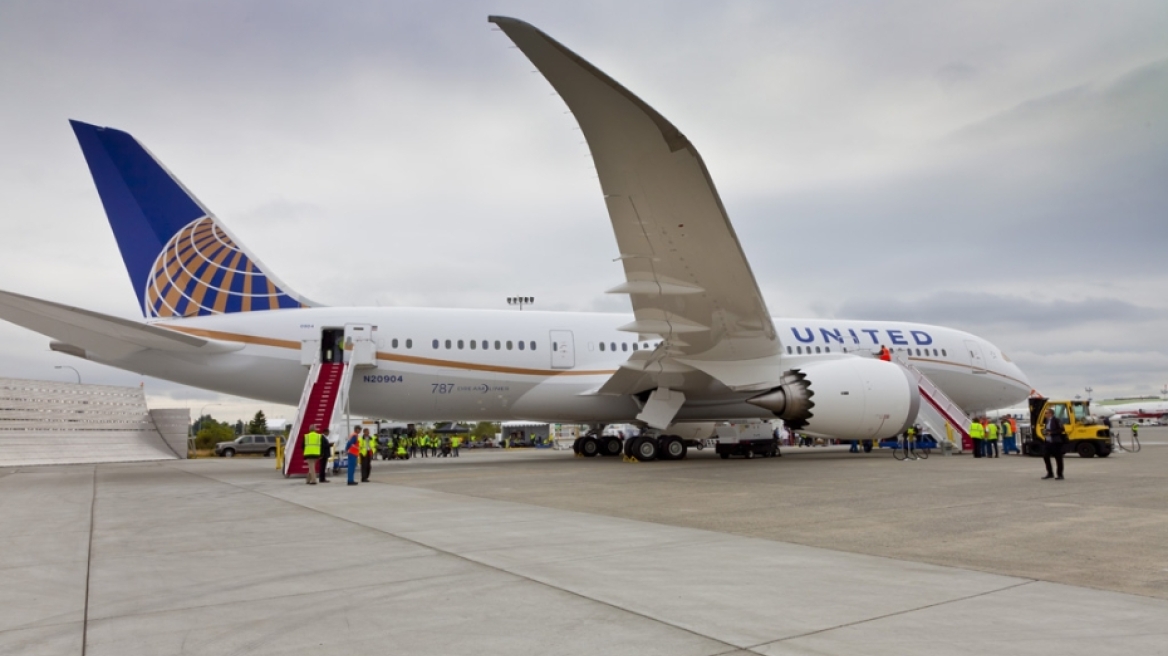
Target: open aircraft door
{"x": 976, "y": 359}
{"x": 563, "y": 349}
{"x": 360, "y": 348}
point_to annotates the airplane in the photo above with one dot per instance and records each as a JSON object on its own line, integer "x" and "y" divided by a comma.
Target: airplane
{"x": 699, "y": 346}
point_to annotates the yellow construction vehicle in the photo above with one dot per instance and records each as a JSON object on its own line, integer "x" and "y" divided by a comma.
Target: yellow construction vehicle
{"x": 1085, "y": 434}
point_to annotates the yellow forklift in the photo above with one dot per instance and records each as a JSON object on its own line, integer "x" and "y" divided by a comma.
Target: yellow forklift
{"x": 1084, "y": 435}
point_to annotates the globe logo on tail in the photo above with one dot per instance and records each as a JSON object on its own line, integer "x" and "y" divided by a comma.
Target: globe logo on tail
{"x": 201, "y": 271}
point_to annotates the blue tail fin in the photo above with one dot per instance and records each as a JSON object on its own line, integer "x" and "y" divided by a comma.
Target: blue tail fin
{"x": 181, "y": 260}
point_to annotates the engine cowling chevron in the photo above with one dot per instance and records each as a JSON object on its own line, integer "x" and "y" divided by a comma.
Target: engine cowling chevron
{"x": 850, "y": 398}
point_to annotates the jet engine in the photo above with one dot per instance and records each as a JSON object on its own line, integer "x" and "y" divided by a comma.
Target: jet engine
{"x": 849, "y": 398}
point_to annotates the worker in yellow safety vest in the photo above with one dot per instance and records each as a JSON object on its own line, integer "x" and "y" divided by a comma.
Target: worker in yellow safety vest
{"x": 311, "y": 453}
{"x": 401, "y": 449}
{"x": 977, "y": 434}
{"x": 991, "y": 446}
{"x": 455, "y": 442}
{"x": 368, "y": 448}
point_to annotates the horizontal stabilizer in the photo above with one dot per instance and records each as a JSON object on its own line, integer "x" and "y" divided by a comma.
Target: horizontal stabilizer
{"x": 110, "y": 338}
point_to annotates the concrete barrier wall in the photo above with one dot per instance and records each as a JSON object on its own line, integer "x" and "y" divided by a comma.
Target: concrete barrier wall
{"x": 44, "y": 423}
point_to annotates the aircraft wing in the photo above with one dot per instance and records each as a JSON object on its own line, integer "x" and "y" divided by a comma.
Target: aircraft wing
{"x": 685, "y": 271}
{"x": 109, "y": 337}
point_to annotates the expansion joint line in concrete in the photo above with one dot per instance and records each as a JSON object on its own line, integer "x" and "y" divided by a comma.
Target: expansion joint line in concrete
{"x": 899, "y": 612}
{"x": 88, "y": 565}
{"x": 730, "y": 647}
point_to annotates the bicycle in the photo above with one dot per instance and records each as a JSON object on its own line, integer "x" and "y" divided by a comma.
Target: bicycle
{"x": 904, "y": 452}
{"x": 1133, "y": 446}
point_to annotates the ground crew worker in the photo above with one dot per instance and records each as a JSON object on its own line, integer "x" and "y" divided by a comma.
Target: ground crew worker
{"x": 1136, "y": 429}
{"x": 992, "y": 440}
{"x": 423, "y": 445}
{"x": 455, "y": 442}
{"x": 311, "y": 453}
{"x": 977, "y": 434}
{"x": 910, "y": 437}
{"x": 1009, "y": 441}
{"x": 367, "y": 448}
{"x": 352, "y": 449}
{"x": 401, "y": 449}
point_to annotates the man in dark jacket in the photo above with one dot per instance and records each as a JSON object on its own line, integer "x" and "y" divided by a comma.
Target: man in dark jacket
{"x": 326, "y": 451}
{"x": 1053, "y": 445}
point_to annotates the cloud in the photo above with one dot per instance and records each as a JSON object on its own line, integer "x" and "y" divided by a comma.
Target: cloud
{"x": 980, "y": 310}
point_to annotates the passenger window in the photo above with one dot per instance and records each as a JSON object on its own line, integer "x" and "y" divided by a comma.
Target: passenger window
{"x": 508, "y": 345}
{"x": 435, "y": 343}
{"x": 634, "y": 346}
{"x": 827, "y": 349}
{"x": 799, "y": 349}
{"x": 472, "y": 345}
{"x": 788, "y": 350}
{"x": 394, "y": 343}
{"x": 409, "y": 343}
{"x": 602, "y": 346}
{"x": 497, "y": 345}
{"x": 460, "y": 344}
{"x": 554, "y": 347}
{"x": 532, "y": 346}
{"x": 612, "y": 345}
{"x": 624, "y": 346}
{"x": 944, "y": 353}
{"x": 817, "y": 349}
{"x": 520, "y": 345}
{"x": 447, "y": 345}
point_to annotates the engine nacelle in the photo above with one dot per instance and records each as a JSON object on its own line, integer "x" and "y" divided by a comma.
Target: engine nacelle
{"x": 849, "y": 398}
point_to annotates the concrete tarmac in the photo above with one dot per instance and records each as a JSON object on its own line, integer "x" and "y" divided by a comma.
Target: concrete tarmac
{"x": 818, "y": 552}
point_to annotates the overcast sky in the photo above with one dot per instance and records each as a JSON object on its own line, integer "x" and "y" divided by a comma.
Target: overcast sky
{"x": 999, "y": 167}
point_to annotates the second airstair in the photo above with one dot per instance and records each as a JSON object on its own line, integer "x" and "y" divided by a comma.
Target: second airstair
{"x": 945, "y": 419}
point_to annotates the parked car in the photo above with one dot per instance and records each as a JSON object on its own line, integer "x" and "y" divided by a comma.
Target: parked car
{"x": 265, "y": 444}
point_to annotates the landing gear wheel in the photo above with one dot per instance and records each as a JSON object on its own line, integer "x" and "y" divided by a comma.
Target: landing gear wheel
{"x": 576, "y": 445}
{"x": 646, "y": 448}
{"x": 589, "y": 447}
{"x": 672, "y": 448}
{"x": 611, "y": 446}
{"x": 1085, "y": 450}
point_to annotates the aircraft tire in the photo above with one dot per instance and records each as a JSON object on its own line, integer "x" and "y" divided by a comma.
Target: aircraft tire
{"x": 576, "y": 445}
{"x": 611, "y": 446}
{"x": 589, "y": 447}
{"x": 672, "y": 448}
{"x": 646, "y": 449}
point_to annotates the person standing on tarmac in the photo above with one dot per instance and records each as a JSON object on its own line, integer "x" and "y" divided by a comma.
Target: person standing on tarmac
{"x": 368, "y": 448}
{"x": 311, "y": 453}
{"x": 1053, "y": 444}
{"x": 352, "y": 450}
{"x": 991, "y": 446}
{"x": 977, "y": 434}
{"x": 326, "y": 451}
{"x": 455, "y": 442}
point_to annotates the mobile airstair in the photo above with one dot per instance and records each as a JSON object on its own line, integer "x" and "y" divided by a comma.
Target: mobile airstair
{"x": 331, "y": 361}
{"x": 944, "y": 418}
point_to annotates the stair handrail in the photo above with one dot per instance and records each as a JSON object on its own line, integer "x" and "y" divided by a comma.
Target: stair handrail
{"x": 294, "y": 433}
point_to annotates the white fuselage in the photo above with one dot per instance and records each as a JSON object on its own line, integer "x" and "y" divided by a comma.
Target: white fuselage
{"x": 431, "y": 363}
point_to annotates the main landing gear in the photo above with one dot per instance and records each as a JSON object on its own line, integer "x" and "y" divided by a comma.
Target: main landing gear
{"x": 644, "y": 448}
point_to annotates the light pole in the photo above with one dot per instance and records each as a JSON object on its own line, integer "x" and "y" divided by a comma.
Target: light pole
{"x": 1088, "y": 389}
{"x": 65, "y": 366}
{"x": 520, "y": 301}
